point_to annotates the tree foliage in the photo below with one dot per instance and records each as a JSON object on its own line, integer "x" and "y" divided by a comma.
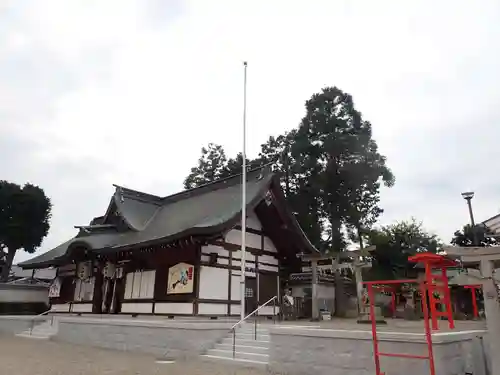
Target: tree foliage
{"x": 329, "y": 166}
{"x": 336, "y": 146}
{"x": 24, "y": 220}
{"x": 465, "y": 237}
{"x": 395, "y": 243}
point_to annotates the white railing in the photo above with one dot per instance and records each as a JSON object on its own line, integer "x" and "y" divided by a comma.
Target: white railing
{"x": 233, "y": 328}
{"x": 40, "y": 315}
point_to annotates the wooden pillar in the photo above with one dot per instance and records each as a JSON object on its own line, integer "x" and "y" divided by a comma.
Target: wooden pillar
{"x": 492, "y": 310}
{"x": 314, "y": 302}
{"x": 98, "y": 284}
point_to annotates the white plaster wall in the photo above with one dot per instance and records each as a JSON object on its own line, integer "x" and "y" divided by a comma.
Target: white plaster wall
{"x": 213, "y": 283}
{"x": 215, "y": 249}
{"x": 252, "y": 240}
{"x": 235, "y": 288}
{"x": 268, "y": 259}
{"x": 221, "y": 261}
{"x": 185, "y": 308}
{"x": 212, "y": 309}
{"x": 268, "y": 268}
{"x": 138, "y": 308}
{"x": 82, "y": 308}
{"x": 60, "y": 307}
{"x": 235, "y": 309}
{"x": 24, "y": 293}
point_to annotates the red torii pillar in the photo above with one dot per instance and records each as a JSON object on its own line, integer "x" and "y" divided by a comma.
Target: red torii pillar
{"x": 473, "y": 289}
{"x": 432, "y": 262}
{"x": 392, "y": 290}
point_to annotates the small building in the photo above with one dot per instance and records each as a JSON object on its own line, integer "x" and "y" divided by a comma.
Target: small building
{"x": 180, "y": 254}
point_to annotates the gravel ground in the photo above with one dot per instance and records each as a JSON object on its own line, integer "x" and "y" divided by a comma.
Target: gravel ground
{"x": 33, "y": 357}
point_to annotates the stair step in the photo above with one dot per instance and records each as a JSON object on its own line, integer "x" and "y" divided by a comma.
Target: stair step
{"x": 251, "y": 335}
{"x": 33, "y": 336}
{"x": 240, "y": 341}
{"x": 241, "y": 348}
{"x": 240, "y": 355}
{"x": 245, "y": 361}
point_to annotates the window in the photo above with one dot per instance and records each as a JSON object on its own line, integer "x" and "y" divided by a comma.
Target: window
{"x": 140, "y": 285}
{"x": 84, "y": 289}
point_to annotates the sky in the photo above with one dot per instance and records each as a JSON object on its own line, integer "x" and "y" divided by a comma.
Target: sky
{"x": 102, "y": 92}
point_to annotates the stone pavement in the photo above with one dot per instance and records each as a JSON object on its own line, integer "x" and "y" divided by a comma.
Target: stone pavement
{"x": 33, "y": 357}
{"x": 393, "y": 325}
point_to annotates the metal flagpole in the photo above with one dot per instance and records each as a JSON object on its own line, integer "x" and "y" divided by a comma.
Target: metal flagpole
{"x": 243, "y": 195}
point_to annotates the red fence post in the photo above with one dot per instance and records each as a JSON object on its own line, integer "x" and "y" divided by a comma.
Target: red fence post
{"x": 371, "y": 297}
{"x": 424, "y": 291}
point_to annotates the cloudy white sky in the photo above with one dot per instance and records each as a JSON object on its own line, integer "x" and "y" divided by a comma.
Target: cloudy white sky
{"x": 119, "y": 91}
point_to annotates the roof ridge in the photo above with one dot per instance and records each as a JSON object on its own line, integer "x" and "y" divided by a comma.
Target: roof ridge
{"x": 131, "y": 193}
{"x": 208, "y": 186}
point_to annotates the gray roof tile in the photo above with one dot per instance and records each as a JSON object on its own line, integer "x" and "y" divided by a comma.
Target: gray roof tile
{"x": 151, "y": 218}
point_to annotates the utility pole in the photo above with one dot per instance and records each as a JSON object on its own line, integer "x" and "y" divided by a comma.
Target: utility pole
{"x": 244, "y": 195}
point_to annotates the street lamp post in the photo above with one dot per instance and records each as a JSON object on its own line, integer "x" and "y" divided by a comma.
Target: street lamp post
{"x": 468, "y": 195}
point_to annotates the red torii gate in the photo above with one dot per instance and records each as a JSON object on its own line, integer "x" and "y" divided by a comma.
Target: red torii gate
{"x": 473, "y": 289}
{"x": 432, "y": 262}
{"x": 427, "y": 287}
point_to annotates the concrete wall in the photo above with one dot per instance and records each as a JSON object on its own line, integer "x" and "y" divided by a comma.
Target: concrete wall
{"x": 15, "y": 293}
{"x": 18, "y": 324}
{"x": 176, "y": 340}
{"x": 338, "y": 352}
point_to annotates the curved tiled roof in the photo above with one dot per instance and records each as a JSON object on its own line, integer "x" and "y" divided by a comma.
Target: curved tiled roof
{"x": 203, "y": 210}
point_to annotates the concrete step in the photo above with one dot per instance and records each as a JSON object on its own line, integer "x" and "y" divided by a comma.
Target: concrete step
{"x": 33, "y": 336}
{"x": 243, "y": 348}
{"x": 251, "y": 336}
{"x": 251, "y": 342}
{"x": 251, "y": 331}
{"x": 259, "y": 357}
{"x": 238, "y": 361}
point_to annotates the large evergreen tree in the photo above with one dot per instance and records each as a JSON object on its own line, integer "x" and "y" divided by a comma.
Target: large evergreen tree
{"x": 336, "y": 144}
{"x": 330, "y": 168}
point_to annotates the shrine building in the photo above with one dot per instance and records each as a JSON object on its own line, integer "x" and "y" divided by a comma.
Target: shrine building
{"x": 180, "y": 254}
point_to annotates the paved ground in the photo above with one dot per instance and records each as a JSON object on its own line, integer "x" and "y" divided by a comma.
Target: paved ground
{"x": 32, "y": 357}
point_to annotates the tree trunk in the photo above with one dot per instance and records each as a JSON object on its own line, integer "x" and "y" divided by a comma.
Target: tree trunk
{"x": 360, "y": 237}
{"x": 9, "y": 258}
{"x": 340, "y": 296}
{"x": 286, "y": 167}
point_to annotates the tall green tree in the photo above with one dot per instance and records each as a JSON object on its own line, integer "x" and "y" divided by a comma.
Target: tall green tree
{"x": 24, "y": 220}
{"x": 295, "y": 175}
{"x": 330, "y": 168}
{"x": 335, "y": 143}
{"x": 395, "y": 243}
{"x": 212, "y": 165}
{"x": 465, "y": 237}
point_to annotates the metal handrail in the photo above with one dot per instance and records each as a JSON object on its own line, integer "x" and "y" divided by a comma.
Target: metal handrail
{"x": 37, "y": 316}
{"x": 233, "y": 328}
